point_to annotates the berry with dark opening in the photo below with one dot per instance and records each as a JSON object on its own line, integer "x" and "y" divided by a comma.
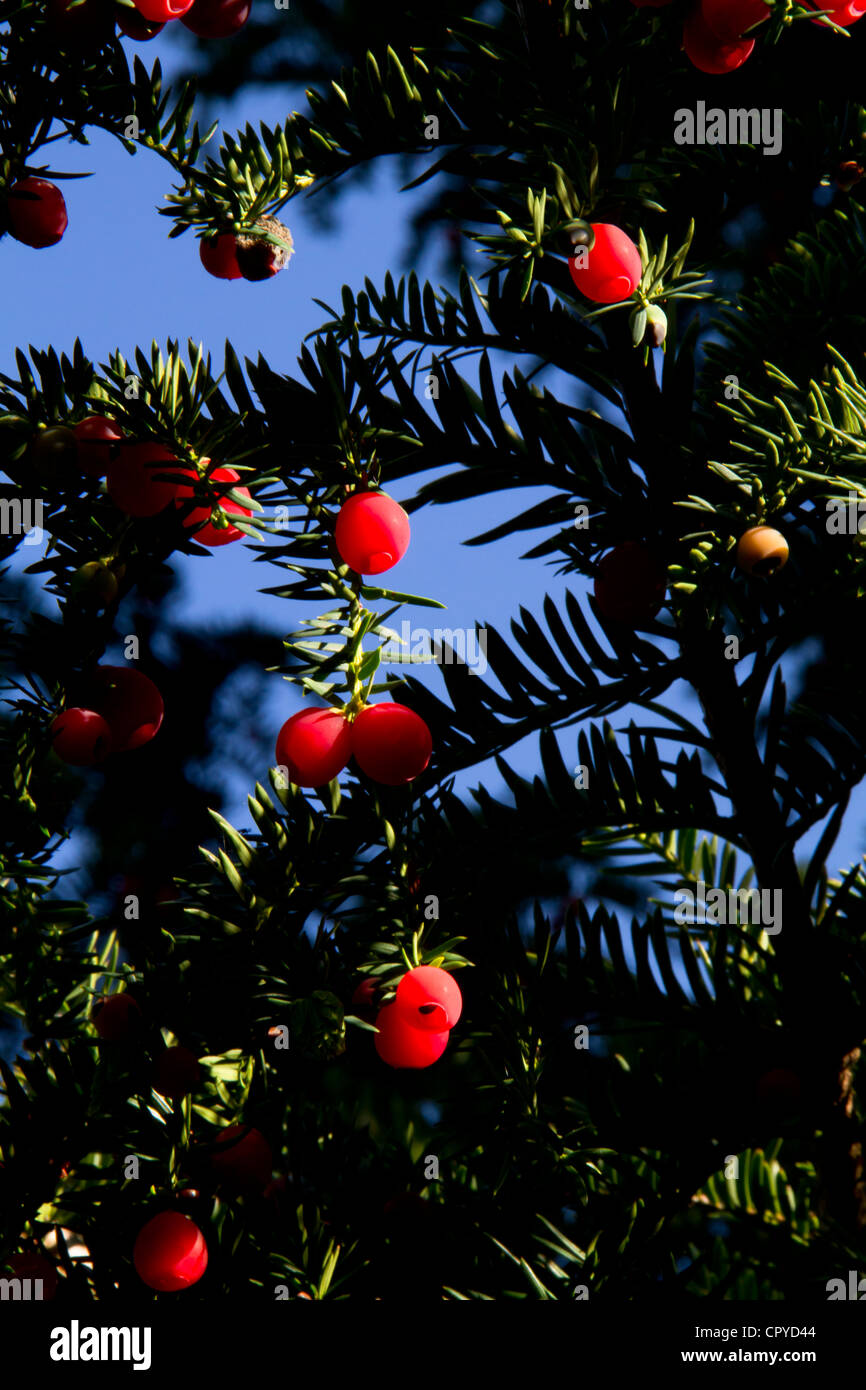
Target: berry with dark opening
{"x": 372, "y": 532}
{"x": 259, "y": 259}
{"x": 315, "y": 745}
{"x": 612, "y": 270}
{"x": 199, "y": 521}
{"x": 98, "y": 439}
{"x": 130, "y": 704}
{"x": 117, "y": 1017}
{"x": 176, "y": 1072}
{"x": 429, "y": 998}
{"x": 401, "y": 1045}
{"x": 217, "y": 19}
{"x": 219, "y": 256}
{"x": 81, "y": 737}
{"x": 131, "y": 481}
{"x": 762, "y": 551}
{"x": 391, "y": 743}
{"x": 630, "y": 584}
{"x": 170, "y": 1252}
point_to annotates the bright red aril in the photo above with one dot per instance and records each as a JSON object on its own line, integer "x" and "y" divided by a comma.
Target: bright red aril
{"x": 170, "y": 1252}
{"x": 81, "y": 737}
{"x": 372, "y": 532}
{"x": 391, "y": 743}
{"x": 315, "y": 745}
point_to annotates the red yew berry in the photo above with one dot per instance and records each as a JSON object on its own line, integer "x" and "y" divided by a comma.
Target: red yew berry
{"x": 630, "y": 584}
{"x": 176, "y": 1072}
{"x": 244, "y": 1159}
{"x": 611, "y": 271}
{"x": 219, "y": 256}
{"x": 130, "y": 704}
{"x": 429, "y": 998}
{"x": 134, "y": 25}
{"x": 391, "y": 743}
{"x": 33, "y": 1267}
{"x": 843, "y": 15}
{"x": 372, "y": 532}
{"x": 315, "y": 745}
{"x": 160, "y": 11}
{"x": 117, "y": 1017}
{"x": 401, "y": 1045}
{"x": 199, "y": 519}
{"x": 81, "y": 737}
{"x": 729, "y": 19}
{"x": 364, "y": 1000}
{"x": 709, "y": 53}
{"x": 217, "y": 19}
{"x": 131, "y": 483}
{"x": 36, "y": 212}
{"x": 170, "y": 1252}
{"x": 97, "y": 438}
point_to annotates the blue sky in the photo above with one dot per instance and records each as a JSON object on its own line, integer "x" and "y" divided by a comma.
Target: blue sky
{"x": 116, "y": 280}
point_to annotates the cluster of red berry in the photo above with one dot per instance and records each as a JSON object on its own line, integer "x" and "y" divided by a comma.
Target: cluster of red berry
{"x": 123, "y": 710}
{"x": 170, "y": 1251}
{"x": 36, "y": 209}
{"x": 97, "y": 446}
{"x": 414, "y": 1028}
{"x": 389, "y": 742}
{"x": 716, "y": 32}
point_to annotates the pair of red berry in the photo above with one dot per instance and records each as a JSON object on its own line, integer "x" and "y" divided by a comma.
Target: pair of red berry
{"x": 134, "y": 486}
{"x": 372, "y": 532}
{"x": 124, "y": 710}
{"x": 389, "y": 742}
{"x": 246, "y": 255}
{"x": 413, "y": 1030}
